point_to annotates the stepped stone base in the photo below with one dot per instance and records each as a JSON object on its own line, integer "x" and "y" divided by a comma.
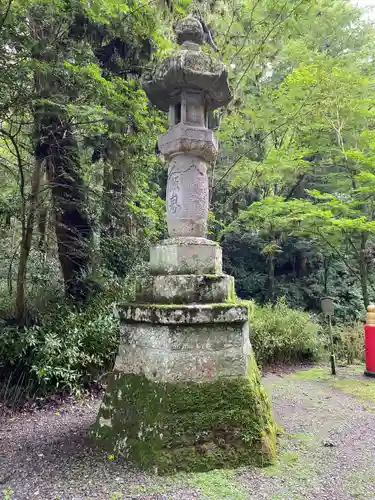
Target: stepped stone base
{"x": 186, "y": 393}
{"x": 186, "y": 289}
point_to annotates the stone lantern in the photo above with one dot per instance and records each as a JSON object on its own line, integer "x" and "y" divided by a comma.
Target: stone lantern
{"x": 185, "y": 393}
{"x": 189, "y": 85}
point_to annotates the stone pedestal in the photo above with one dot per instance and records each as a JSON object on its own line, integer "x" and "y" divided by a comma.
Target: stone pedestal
{"x": 185, "y": 393}
{"x": 186, "y": 255}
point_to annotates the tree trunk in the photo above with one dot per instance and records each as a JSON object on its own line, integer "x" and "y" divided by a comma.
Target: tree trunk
{"x": 56, "y": 145}
{"x": 326, "y": 265}
{"x": 72, "y": 225}
{"x": 363, "y": 269}
{"x": 43, "y": 217}
{"x": 301, "y": 264}
{"x": 271, "y": 278}
{"x": 27, "y": 234}
{"x": 114, "y": 216}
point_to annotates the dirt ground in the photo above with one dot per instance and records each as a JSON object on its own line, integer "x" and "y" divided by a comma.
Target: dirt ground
{"x": 326, "y": 450}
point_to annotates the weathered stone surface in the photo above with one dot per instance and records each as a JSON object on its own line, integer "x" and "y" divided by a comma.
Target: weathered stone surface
{"x": 188, "y": 314}
{"x": 185, "y": 337}
{"x": 176, "y": 352}
{"x": 188, "y": 150}
{"x": 185, "y": 289}
{"x": 182, "y": 343}
{"x": 184, "y": 138}
{"x": 187, "y": 426}
{"x": 186, "y": 256}
{"x": 189, "y": 29}
{"x": 187, "y": 196}
{"x": 189, "y": 68}
{"x": 181, "y": 366}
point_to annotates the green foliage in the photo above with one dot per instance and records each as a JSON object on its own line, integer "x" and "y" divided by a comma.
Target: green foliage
{"x": 281, "y": 334}
{"x": 349, "y": 342}
{"x": 69, "y": 350}
{"x": 7, "y": 494}
{"x": 299, "y": 274}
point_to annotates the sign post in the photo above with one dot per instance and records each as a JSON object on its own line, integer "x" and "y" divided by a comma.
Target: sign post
{"x": 328, "y": 311}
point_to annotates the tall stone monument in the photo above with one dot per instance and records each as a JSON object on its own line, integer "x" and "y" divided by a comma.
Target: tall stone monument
{"x": 185, "y": 393}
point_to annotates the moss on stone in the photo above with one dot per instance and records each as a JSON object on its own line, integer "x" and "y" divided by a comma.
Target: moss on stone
{"x": 188, "y": 307}
{"x": 188, "y": 426}
{"x": 232, "y": 297}
{"x": 182, "y": 313}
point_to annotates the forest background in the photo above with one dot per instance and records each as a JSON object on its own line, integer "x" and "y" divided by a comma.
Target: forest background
{"x": 83, "y": 186}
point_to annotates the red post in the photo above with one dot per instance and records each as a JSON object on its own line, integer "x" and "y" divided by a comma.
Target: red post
{"x": 370, "y": 341}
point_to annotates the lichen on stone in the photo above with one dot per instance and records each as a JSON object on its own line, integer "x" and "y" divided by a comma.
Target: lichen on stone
{"x": 188, "y": 426}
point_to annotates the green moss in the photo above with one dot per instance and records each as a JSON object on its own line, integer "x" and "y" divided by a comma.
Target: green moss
{"x": 188, "y": 426}
{"x": 217, "y": 484}
{"x": 232, "y": 297}
{"x": 188, "y": 307}
{"x": 349, "y": 379}
{"x": 315, "y": 373}
{"x": 362, "y": 389}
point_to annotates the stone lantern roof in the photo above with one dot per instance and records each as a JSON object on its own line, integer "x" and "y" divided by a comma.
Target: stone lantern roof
{"x": 189, "y": 69}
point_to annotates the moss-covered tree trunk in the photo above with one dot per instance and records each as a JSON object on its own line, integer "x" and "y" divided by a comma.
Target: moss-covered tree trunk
{"x": 56, "y": 146}
{"x": 26, "y": 239}
{"x": 72, "y": 224}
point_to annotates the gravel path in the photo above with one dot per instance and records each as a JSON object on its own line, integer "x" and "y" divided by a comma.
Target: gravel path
{"x": 327, "y": 451}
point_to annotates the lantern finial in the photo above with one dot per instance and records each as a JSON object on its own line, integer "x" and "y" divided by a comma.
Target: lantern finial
{"x": 189, "y": 29}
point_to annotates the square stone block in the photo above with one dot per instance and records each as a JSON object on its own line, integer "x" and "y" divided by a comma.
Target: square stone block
{"x": 195, "y": 342}
{"x": 186, "y": 256}
{"x": 186, "y": 289}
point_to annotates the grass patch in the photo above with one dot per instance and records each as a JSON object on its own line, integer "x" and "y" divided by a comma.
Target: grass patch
{"x": 315, "y": 373}
{"x": 214, "y": 484}
{"x": 158, "y": 487}
{"x": 361, "y": 388}
{"x": 303, "y": 438}
{"x": 286, "y": 460}
{"x": 217, "y": 484}
{"x": 291, "y": 461}
{"x": 349, "y": 379}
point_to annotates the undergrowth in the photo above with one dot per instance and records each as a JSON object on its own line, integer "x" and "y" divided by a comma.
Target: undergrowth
{"x": 67, "y": 350}
{"x": 280, "y": 334}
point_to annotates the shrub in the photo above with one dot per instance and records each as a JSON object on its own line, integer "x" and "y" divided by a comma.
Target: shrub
{"x": 66, "y": 351}
{"x": 349, "y": 342}
{"x": 281, "y": 334}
